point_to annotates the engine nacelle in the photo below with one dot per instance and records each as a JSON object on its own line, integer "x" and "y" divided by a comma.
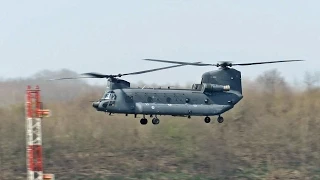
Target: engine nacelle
{"x": 214, "y": 88}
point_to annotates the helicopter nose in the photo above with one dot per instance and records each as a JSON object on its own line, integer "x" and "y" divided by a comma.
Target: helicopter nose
{"x": 95, "y": 104}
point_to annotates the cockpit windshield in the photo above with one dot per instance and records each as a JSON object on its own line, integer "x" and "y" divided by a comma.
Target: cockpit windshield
{"x": 110, "y": 95}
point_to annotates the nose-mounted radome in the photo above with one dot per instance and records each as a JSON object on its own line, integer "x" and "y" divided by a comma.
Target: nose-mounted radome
{"x": 95, "y": 104}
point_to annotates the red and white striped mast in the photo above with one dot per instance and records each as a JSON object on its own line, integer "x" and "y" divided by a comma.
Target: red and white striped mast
{"x": 34, "y": 115}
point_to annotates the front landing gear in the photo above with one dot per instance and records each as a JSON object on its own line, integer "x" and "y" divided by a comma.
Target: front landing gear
{"x": 220, "y": 119}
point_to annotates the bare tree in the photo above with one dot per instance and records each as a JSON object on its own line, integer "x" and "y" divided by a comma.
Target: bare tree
{"x": 312, "y": 80}
{"x": 272, "y": 81}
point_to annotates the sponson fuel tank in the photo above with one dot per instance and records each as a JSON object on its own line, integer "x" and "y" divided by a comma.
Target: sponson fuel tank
{"x": 181, "y": 109}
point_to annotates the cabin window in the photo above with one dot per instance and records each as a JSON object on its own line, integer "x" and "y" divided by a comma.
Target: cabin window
{"x": 206, "y": 101}
{"x": 187, "y": 100}
{"x": 168, "y": 100}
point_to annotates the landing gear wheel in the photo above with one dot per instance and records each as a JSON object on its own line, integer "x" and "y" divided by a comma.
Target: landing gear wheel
{"x": 143, "y": 121}
{"x": 155, "y": 121}
{"x": 207, "y": 119}
{"x": 220, "y": 119}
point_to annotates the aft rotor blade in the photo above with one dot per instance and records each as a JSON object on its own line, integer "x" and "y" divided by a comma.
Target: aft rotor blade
{"x": 179, "y": 62}
{"x": 267, "y": 62}
{"x": 219, "y": 64}
{"x": 152, "y": 70}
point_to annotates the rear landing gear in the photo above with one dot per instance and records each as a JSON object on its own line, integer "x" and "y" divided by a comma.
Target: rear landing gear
{"x": 207, "y": 119}
{"x": 155, "y": 121}
{"x": 143, "y": 121}
{"x": 220, "y": 119}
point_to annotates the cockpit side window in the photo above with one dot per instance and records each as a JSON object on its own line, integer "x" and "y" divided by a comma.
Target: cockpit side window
{"x": 113, "y": 96}
{"x": 106, "y": 96}
{"x": 110, "y": 95}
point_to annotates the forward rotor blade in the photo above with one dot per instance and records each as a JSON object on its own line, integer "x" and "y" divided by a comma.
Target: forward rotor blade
{"x": 152, "y": 70}
{"x": 179, "y": 62}
{"x": 68, "y": 78}
{"x": 267, "y": 62}
{"x": 96, "y": 75}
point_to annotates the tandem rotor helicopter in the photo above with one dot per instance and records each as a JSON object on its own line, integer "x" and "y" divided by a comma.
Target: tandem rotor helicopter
{"x": 219, "y": 91}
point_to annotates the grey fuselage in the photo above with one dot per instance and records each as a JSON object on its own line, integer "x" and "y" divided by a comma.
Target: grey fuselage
{"x": 218, "y": 92}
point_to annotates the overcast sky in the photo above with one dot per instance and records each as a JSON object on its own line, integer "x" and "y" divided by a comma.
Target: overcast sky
{"x": 113, "y": 36}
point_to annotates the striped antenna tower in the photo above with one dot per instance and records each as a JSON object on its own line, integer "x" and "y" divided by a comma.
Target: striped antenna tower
{"x": 34, "y": 114}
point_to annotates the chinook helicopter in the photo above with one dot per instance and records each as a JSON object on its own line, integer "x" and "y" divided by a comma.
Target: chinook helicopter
{"x": 219, "y": 91}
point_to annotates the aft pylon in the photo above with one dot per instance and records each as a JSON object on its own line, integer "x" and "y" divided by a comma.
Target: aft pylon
{"x": 34, "y": 114}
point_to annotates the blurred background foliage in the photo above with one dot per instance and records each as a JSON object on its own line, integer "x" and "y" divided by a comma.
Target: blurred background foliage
{"x": 273, "y": 133}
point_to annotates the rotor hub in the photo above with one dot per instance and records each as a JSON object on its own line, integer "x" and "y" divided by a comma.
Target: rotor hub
{"x": 224, "y": 64}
